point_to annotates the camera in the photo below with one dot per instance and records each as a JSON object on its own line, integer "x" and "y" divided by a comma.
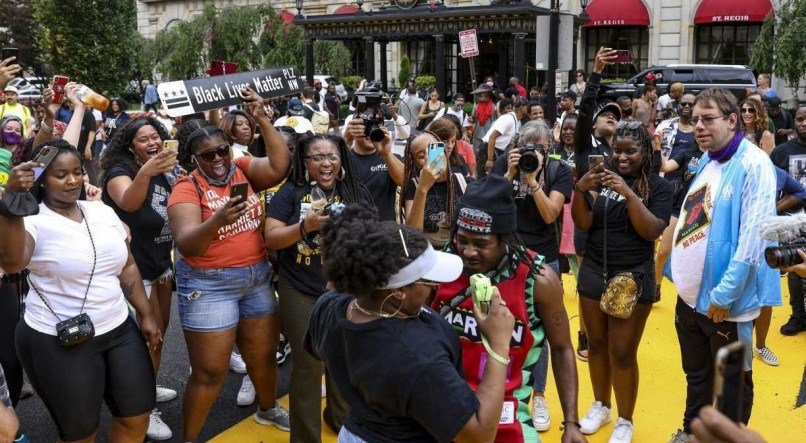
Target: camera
{"x": 368, "y": 108}
{"x": 529, "y": 162}
{"x": 785, "y": 255}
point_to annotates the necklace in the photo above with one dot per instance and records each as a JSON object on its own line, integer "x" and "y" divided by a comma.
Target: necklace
{"x": 354, "y": 305}
{"x": 69, "y": 213}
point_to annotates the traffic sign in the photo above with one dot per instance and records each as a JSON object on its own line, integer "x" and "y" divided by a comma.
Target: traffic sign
{"x": 468, "y": 43}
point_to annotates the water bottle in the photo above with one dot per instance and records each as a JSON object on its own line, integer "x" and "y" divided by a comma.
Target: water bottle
{"x": 92, "y": 98}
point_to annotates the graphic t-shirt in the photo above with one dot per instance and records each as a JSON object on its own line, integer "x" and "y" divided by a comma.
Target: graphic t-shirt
{"x": 402, "y": 378}
{"x": 437, "y": 222}
{"x": 151, "y": 234}
{"x": 691, "y": 233}
{"x": 373, "y": 172}
{"x": 625, "y": 247}
{"x": 5, "y": 166}
{"x": 238, "y": 244}
{"x": 535, "y": 232}
{"x": 301, "y": 262}
{"x": 791, "y": 157}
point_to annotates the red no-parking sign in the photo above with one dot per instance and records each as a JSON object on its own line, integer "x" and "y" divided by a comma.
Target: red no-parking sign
{"x": 468, "y": 43}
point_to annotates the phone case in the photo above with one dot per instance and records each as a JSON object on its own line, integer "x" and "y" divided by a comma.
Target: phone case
{"x": 434, "y": 151}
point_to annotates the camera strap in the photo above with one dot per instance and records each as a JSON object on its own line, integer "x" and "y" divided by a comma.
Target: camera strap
{"x": 92, "y": 273}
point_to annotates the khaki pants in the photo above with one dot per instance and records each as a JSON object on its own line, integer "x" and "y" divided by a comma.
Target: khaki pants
{"x": 305, "y": 395}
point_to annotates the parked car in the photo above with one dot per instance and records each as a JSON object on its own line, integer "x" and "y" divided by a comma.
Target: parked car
{"x": 327, "y": 80}
{"x": 735, "y": 78}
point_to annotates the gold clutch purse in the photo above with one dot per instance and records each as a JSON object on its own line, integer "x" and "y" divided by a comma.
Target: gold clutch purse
{"x": 620, "y": 295}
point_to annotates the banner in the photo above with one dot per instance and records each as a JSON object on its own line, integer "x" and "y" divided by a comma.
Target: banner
{"x": 202, "y": 94}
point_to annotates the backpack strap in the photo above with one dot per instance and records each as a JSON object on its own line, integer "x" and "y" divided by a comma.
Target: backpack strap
{"x": 460, "y": 179}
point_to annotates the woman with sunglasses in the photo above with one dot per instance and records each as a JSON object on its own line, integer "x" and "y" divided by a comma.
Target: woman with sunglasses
{"x": 397, "y": 363}
{"x": 625, "y": 206}
{"x": 755, "y": 121}
{"x": 321, "y": 175}
{"x": 89, "y": 289}
{"x": 222, "y": 273}
{"x": 430, "y": 190}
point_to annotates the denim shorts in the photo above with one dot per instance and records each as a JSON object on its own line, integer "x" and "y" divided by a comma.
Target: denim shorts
{"x": 213, "y": 300}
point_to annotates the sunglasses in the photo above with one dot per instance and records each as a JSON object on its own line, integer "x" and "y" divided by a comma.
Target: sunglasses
{"x": 748, "y": 111}
{"x": 686, "y": 105}
{"x": 633, "y": 124}
{"x": 221, "y": 151}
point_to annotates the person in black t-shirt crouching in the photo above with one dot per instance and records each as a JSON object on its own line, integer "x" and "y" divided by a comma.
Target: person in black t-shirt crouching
{"x": 628, "y": 211}
{"x": 396, "y": 362}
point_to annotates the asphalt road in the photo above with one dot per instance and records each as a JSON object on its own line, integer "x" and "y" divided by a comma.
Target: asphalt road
{"x": 36, "y": 423}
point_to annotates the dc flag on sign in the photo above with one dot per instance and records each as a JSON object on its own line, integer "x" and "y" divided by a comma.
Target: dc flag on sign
{"x": 201, "y": 94}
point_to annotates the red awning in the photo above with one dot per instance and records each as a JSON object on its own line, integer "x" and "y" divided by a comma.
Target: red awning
{"x": 617, "y": 13}
{"x": 287, "y": 17}
{"x": 721, "y": 11}
{"x": 346, "y": 9}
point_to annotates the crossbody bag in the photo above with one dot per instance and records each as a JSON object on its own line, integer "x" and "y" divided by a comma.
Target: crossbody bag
{"x": 621, "y": 291}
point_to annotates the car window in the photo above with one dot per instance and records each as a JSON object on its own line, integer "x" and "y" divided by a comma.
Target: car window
{"x": 680, "y": 75}
{"x": 733, "y": 76}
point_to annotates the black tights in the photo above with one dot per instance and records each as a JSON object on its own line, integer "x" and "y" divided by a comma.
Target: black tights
{"x": 9, "y": 315}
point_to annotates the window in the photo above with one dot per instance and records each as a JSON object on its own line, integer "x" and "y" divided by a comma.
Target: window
{"x": 680, "y": 75}
{"x": 634, "y": 39}
{"x": 725, "y": 44}
{"x": 421, "y": 56}
{"x": 733, "y": 76}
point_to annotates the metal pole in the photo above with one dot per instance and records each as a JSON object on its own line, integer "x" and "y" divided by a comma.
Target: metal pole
{"x": 554, "y": 29}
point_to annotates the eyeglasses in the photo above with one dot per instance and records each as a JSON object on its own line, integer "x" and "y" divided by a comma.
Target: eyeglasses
{"x": 221, "y": 151}
{"x": 706, "y": 121}
{"x": 320, "y": 158}
{"x": 579, "y": 75}
{"x": 748, "y": 111}
{"x": 632, "y": 124}
{"x": 686, "y": 105}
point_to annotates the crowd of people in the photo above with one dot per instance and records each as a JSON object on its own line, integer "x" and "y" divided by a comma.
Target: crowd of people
{"x": 280, "y": 230}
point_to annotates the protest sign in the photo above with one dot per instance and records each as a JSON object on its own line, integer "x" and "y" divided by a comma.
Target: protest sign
{"x": 201, "y": 94}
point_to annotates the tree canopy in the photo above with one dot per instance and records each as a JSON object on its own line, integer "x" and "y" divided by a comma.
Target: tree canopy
{"x": 783, "y": 50}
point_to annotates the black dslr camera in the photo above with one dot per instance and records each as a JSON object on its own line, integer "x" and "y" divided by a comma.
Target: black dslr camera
{"x": 529, "y": 161}
{"x": 785, "y": 255}
{"x": 368, "y": 108}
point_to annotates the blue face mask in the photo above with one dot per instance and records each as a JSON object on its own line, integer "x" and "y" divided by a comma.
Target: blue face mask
{"x": 11, "y": 138}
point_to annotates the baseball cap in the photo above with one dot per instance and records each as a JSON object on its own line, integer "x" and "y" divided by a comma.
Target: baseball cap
{"x": 11, "y": 89}
{"x": 299, "y": 124}
{"x": 295, "y": 107}
{"x": 608, "y": 107}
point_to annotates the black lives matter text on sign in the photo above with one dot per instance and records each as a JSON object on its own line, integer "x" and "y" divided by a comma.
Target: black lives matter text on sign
{"x": 201, "y": 94}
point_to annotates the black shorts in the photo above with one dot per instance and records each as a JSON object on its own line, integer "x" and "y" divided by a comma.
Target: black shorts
{"x": 72, "y": 382}
{"x": 591, "y": 283}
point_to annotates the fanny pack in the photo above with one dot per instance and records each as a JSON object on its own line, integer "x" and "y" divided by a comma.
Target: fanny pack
{"x": 621, "y": 291}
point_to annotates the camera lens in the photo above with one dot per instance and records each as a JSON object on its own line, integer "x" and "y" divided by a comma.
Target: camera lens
{"x": 783, "y": 256}
{"x": 773, "y": 257}
{"x": 528, "y": 162}
{"x": 376, "y": 135}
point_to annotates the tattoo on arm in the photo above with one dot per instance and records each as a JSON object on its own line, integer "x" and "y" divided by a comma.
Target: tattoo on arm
{"x": 128, "y": 289}
{"x": 558, "y": 317}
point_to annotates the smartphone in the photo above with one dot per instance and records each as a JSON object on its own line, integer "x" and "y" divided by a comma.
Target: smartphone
{"x": 436, "y": 155}
{"x": 594, "y": 161}
{"x": 172, "y": 145}
{"x": 623, "y": 56}
{"x": 45, "y": 156}
{"x": 729, "y": 380}
{"x": 59, "y": 81}
{"x": 11, "y": 52}
{"x": 239, "y": 189}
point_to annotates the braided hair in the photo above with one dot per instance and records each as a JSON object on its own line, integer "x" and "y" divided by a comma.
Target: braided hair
{"x": 350, "y": 188}
{"x": 640, "y": 135}
{"x": 360, "y": 253}
{"x": 408, "y": 172}
{"x": 121, "y": 147}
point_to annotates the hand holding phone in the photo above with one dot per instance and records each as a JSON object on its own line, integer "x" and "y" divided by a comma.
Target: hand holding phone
{"x": 44, "y": 158}
{"x": 436, "y": 155}
{"x": 59, "y": 82}
{"x": 239, "y": 190}
{"x": 11, "y": 52}
{"x": 594, "y": 161}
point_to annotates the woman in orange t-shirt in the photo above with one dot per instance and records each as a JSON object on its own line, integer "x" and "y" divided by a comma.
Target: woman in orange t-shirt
{"x": 222, "y": 272}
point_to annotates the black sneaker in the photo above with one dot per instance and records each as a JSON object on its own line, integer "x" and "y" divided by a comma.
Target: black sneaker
{"x": 795, "y": 325}
{"x": 283, "y": 350}
{"x": 582, "y": 346}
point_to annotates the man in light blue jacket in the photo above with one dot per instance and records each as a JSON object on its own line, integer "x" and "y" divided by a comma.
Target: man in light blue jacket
{"x": 717, "y": 260}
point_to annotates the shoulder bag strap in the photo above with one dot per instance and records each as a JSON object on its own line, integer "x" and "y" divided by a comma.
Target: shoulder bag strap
{"x": 604, "y": 237}
{"x": 461, "y": 180}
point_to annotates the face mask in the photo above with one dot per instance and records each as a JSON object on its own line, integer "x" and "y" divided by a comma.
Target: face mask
{"x": 490, "y": 83}
{"x": 11, "y": 138}
{"x": 457, "y": 107}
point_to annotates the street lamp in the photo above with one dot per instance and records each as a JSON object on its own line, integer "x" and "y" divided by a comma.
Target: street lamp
{"x": 299, "y": 8}
{"x": 583, "y": 16}
{"x": 360, "y": 3}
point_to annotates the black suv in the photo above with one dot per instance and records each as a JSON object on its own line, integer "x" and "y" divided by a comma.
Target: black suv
{"x": 735, "y": 78}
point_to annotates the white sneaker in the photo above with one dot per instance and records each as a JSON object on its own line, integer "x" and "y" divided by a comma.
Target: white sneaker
{"x": 597, "y": 416}
{"x": 157, "y": 429}
{"x": 766, "y": 355}
{"x": 246, "y": 395}
{"x": 164, "y": 394}
{"x": 622, "y": 431}
{"x": 236, "y": 363}
{"x": 540, "y": 413}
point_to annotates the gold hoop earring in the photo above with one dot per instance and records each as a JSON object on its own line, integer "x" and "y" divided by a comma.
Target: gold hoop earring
{"x": 384, "y": 315}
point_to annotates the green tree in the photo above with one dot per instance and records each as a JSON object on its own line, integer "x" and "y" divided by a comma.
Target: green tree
{"x": 332, "y": 57}
{"x": 16, "y": 32}
{"x": 87, "y": 40}
{"x": 787, "y": 43}
{"x": 761, "y": 57}
{"x": 405, "y": 71}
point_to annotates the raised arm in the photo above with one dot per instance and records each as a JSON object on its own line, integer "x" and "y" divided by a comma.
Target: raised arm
{"x": 130, "y": 194}
{"x": 73, "y": 132}
{"x": 265, "y": 172}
